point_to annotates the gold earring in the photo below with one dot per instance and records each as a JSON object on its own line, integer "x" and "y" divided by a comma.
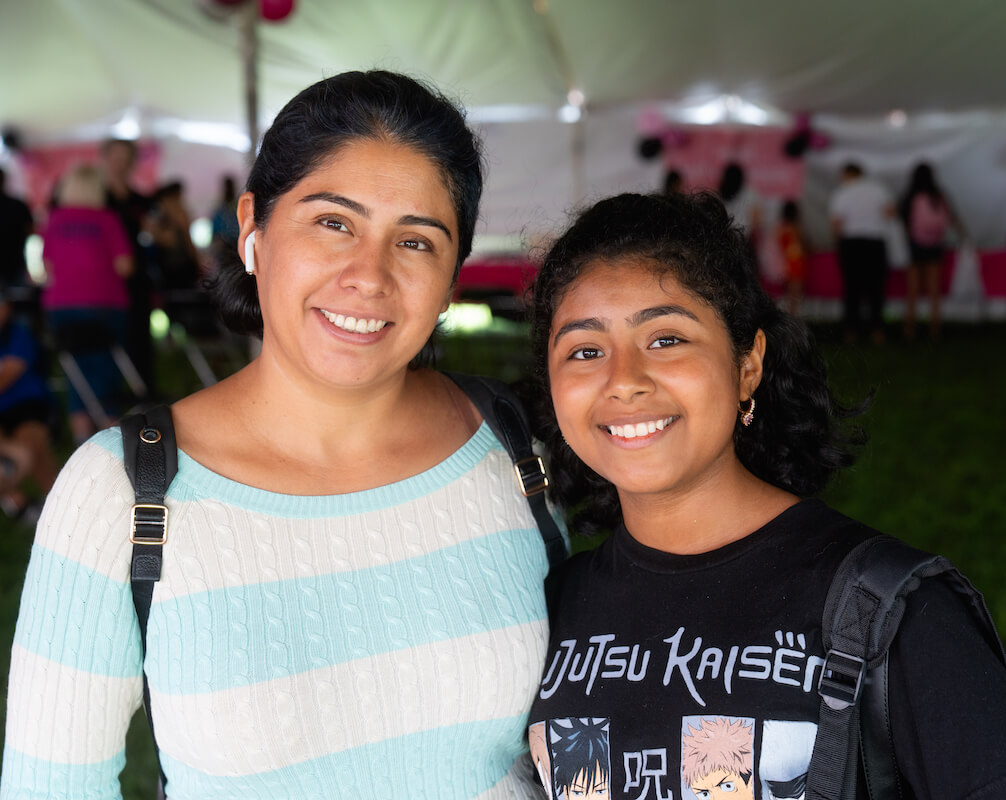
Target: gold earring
{"x": 747, "y": 417}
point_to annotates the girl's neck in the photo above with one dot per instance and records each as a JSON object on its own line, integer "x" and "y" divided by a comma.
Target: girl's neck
{"x": 704, "y": 518}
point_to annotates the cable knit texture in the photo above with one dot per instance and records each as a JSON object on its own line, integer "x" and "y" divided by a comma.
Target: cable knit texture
{"x": 379, "y": 644}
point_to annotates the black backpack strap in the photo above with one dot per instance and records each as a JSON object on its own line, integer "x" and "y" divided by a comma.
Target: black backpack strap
{"x": 504, "y": 413}
{"x": 150, "y": 456}
{"x": 861, "y": 616}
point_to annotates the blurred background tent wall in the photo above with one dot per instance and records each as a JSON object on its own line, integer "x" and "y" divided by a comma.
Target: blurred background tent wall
{"x": 564, "y": 91}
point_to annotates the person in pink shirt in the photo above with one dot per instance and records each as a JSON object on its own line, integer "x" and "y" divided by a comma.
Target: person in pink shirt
{"x": 928, "y": 216}
{"x": 87, "y": 259}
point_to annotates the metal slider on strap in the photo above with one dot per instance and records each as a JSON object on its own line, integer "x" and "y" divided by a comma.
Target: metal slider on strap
{"x": 841, "y": 680}
{"x": 531, "y": 475}
{"x": 148, "y": 524}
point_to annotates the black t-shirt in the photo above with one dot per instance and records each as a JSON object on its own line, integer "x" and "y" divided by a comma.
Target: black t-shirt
{"x": 695, "y": 677}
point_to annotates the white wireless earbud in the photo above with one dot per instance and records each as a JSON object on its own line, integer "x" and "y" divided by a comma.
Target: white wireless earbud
{"x": 250, "y": 253}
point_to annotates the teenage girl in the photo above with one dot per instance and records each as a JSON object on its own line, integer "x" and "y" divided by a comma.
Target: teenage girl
{"x": 690, "y": 416}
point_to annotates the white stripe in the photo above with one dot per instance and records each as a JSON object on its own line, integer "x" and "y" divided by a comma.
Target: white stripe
{"x": 47, "y": 725}
{"x": 291, "y": 720}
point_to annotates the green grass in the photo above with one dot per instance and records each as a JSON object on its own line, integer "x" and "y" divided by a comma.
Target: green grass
{"x": 930, "y": 473}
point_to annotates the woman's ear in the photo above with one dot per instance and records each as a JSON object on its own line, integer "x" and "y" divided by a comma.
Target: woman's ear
{"x": 752, "y": 364}
{"x": 246, "y": 231}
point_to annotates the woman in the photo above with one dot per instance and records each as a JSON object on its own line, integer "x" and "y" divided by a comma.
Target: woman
{"x": 692, "y": 636}
{"x": 927, "y": 215}
{"x": 87, "y": 261}
{"x": 352, "y": 597}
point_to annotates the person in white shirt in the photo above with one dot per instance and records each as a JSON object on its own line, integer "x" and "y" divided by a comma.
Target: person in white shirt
{"x": 859, "y": 213}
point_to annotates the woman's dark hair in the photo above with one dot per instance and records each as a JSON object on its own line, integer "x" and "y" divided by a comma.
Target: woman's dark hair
{"x": 797, "y": 440}
{"x": 790, "y": 211}
{"x": 922, "y": 181}
{"x": 334, "y": 112}
{"x": 732, "y": 181}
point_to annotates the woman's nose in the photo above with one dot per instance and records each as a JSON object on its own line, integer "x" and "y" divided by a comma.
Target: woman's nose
{"x": 368, "y": 269}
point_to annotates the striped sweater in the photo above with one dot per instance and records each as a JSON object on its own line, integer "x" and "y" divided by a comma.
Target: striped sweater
{"x": 379, "y": 644}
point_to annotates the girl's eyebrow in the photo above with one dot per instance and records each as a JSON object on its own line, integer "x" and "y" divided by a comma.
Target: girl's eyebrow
{"x": 363, "y": 211}
{"x": 647, "y": 314}
{"x": 634, "y": 320}
{"x": 588, "y": 324}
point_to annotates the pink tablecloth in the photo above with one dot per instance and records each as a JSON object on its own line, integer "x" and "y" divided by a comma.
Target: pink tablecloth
{"x": 512, "y": 275}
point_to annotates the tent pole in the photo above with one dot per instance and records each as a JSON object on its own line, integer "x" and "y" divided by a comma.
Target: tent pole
{"x": 249, "y": 55}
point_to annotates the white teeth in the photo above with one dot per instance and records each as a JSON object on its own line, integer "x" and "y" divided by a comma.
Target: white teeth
{"x": 353, "y": 324}
{"x": 640, "y": 428}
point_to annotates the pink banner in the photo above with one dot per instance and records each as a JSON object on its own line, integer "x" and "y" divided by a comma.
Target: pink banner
{"x": 700, "y": 153}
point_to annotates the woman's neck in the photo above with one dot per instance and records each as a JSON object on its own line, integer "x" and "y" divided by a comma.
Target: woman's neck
{"x": 295, "y": 439}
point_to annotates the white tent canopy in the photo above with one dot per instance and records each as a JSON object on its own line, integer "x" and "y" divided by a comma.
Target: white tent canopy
{"x": 83, "y": 69}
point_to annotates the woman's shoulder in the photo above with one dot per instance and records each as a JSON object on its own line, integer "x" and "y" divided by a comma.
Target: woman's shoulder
{"x": 86, "y": 514}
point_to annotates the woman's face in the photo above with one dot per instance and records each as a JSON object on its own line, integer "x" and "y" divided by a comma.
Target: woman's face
{"x": 355, "y": 265}
{"x": 644, "y": 380}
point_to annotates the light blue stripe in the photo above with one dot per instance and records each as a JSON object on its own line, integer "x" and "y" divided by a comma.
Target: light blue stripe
{"x": 238, "y": 636}
{"x": 195, "y": 482}
{"x": 58, "y": 618}
{"x": 455, "y": 763}
{"x": 28, "y": 778}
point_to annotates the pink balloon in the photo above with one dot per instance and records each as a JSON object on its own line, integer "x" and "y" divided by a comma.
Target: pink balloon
{"x": 275, "y": 10}
{"x": 675, "y": 137}
{"x": 819, "y": 141}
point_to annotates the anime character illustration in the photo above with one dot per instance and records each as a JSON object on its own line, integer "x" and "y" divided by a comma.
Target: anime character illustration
{"x": 580, "y": 761}
{"x": 717, "y": 758}
{"x": 786, "y": 748}
{"x": 537, "y": 738}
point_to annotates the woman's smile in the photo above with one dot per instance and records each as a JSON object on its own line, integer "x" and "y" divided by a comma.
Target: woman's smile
{"x": 354, "y": 324}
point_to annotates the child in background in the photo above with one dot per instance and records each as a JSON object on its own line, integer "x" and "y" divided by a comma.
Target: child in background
{"x": 794, "y": 252}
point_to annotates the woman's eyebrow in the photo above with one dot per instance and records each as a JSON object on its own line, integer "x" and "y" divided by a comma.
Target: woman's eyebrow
{"x": 432, "y": 222}
{"x": 339, "y": 200}
{"x": 363, "y": 211}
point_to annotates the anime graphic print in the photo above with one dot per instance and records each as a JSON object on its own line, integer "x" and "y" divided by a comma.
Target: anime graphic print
{"x": 785, "y": 753}
{"x": 719, "y": 757}
{"x": 571, "y": 757}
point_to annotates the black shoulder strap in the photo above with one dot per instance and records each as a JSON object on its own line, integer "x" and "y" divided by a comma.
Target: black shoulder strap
{"x": 150, "y": 457}
{"x": 862, "y": 612}
{"x": 504, "y": 413}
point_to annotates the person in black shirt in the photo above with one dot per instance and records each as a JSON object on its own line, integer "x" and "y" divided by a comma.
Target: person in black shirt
{"x": 688, "y": 415}
{"x": 118, "y": 158}
{"x": 16, "y": 225}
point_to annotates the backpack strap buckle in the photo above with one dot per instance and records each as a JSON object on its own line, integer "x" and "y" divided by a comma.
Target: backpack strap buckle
{"x": 531, "y": 475}
{"x": 841, "y": 680}
{"x": 148, "y": 524}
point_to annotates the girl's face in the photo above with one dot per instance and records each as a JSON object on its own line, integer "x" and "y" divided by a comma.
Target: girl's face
{"x": 355, "y": 265}
{"x": 644, "y": 380}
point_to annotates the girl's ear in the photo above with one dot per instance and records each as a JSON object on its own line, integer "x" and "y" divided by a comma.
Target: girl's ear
{"x": 752, "y": 364}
